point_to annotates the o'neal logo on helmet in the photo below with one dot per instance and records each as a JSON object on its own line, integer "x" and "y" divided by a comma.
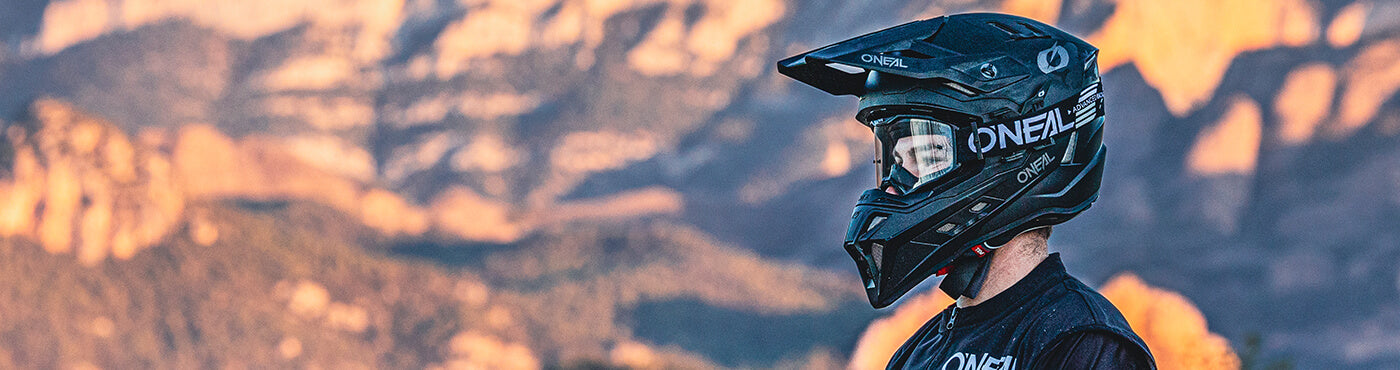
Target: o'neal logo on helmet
{"x": 1021, "y": 132}
{"x": 1032, "y": 130}
{"x": 1052, "y": 59}
{"x": 883, "y": 60}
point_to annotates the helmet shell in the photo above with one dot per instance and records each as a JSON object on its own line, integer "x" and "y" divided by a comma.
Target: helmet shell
{"x": 1028, "y": 100}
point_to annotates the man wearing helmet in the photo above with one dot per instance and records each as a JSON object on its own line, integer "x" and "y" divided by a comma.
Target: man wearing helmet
{"x": 989, "y": 130}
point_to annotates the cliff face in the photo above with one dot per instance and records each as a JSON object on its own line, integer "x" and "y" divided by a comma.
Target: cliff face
{"x": 208, "y": 268}
{"x": 78, "y": 185}
{"x": 1253, "y": 161}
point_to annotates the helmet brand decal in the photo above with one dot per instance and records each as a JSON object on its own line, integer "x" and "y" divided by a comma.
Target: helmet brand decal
{"x": 886, "y": 61}
{"x": 1026, "y": 131}
{"x": 1087, "y": 108}
{"x": 1034, "y": 169}
{"x": 1053, "y": 59}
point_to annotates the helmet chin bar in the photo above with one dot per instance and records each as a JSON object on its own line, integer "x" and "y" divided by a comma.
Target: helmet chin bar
{"x": 979, "y": 211}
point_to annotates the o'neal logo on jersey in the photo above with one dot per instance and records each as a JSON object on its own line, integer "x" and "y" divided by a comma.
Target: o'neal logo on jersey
{"x": 969, "y": 361}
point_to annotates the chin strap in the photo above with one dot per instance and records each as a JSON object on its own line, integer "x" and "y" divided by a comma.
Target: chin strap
{"x": 966, "y": 274}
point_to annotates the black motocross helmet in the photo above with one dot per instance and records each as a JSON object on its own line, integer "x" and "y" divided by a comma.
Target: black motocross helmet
{"x": 987, "y": 125}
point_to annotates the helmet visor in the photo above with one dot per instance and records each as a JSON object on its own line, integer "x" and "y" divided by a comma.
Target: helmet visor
{"x": 913, "y": 151}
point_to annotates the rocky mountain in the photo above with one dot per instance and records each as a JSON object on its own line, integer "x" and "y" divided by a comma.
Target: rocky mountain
{"x": 561, "y": 149}
{"x": 138, "y": 253}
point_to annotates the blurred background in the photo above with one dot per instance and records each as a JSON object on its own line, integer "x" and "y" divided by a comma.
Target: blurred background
{"x": 627, "y": 183}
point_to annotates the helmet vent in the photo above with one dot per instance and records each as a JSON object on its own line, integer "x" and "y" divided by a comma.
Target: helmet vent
{"x": 1069, "y": 152}
{"x": 960, "y": 88}
{"x": 978, "y": 207}
{"x": 1004, "y": 27}
{"x": 1034, "y": 30}
{"x": 846, "y": 68}
{"x": 910, "y": 53}
{"x": 1002, "y": 113}
{"x": 875, "y": 222}
{"x": 877, "y": 253}
{"x": 1028, "y": 31}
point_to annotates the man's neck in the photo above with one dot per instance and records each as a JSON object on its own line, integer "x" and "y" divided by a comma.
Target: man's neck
{"x": 1010, "y": 263}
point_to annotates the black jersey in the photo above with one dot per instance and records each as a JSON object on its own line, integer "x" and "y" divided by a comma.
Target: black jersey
{"x": 1047, "y": 320}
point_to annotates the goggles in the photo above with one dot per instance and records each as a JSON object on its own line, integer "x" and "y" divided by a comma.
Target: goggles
{"x": 920, "y": 148}
{"x": 913, "y": 151}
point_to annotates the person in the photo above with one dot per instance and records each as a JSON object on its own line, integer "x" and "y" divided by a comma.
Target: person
{"x": 989, "y": 130}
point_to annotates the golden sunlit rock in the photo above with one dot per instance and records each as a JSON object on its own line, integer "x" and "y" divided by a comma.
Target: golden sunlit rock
{"x": 483, "y": 106}
{"x": 85, "y": 204}
{"x": 95, "y": 226}
{"x": 347, "y": 317}
{"x": 1304, "y": 101}
{"x": 473, "y": 293}
{"x": 837, "y": 160}
{"x": 60, "y": 206}
{"x": 584, "y": 152}
{"x": 326, "y": 114}
{"x": 1172, "y": 327}
{"x": 504, "y": 27}
{"x": 93, "y": 191}
{"x": 501, "y": 27}
{"x": 103, "y": 327}
{"x": 212, "y": 166}
{"x": 834, "y": 149}
{"x": 1231, "y": 146}
{"x": 423, "y": 111}
{"x": 715, "y": 36}
{"x": 202, "y": 231}
{"x": 474, "y": 350}
{"x": 1183, "y": 47}
{"x": 309, "y": 299}
{"x": 69, "y": 22}
{"x": 22, "y": 192}
{"x": 369, "y": 23}
{"x": 1346, "y": 27}
{"x": 661, "y": 54}
{"x": 332, "y": 154}
{"x": 732, "y": 276}
{"x": 83, "y": 365}
{"x": 653, "y": 200}
{"x": 391, "y": 214}
{"x": 289, "y": 348}
{"x": 487, "y": 153}
{"x": 463, "y": 213}
{"x": 320, "y": 72}
{"x": 212, "y": 158}
{"x": 418, "y": 156}
{"x": 579, "y": 154}
{"x": 847, "y": 145}
{"x": 496, "y": 105}
{"x": 499, "y": 317}
{"x": 1371, "y": 78}
{"x": 633, "y": 355}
